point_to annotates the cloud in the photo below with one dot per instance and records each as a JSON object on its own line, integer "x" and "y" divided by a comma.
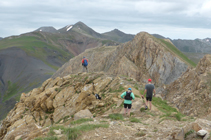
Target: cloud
{"x": 157, "y": 16}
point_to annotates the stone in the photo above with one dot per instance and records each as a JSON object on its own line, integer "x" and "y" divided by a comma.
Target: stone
{"x": 202, "y": 132}
{"x": 101, "y": 104}
{"x": 18, "y": 137}
{"x": 83, "y": 114}
{"x": 58, "y": 132}
{"x": 196, "y": 127}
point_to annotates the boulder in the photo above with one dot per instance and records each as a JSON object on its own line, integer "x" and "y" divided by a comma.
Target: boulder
{"x": 202, "y": 132}
{"x": 83, "y": 114}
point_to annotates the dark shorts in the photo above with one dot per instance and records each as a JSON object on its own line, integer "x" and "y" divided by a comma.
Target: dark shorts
{"x": 127, "y": 106}
{"x": 149, "y": 98}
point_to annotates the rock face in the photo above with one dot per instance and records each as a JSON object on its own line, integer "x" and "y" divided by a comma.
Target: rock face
{"x": 191, "y": 93}
{"x": 142, "y": 58}
{"x": 57, "y": 100}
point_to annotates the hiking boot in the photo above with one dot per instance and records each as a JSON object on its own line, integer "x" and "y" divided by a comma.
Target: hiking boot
{"x": 146, "y": 107}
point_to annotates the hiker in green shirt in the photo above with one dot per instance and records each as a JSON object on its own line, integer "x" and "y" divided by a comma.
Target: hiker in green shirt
{"x": 128, "y": 96}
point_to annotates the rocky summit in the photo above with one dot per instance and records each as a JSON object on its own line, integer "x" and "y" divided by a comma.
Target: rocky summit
{"x": 143, "y": 57}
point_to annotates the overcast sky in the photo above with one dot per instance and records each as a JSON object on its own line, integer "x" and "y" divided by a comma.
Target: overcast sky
{"x": 185, "y": 19}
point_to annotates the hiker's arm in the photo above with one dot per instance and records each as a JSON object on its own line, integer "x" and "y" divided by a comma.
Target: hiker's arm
{"x": 144, "y": 92}
{"x": 133, "y": 96}
{"x": 122, "y": 95}
{"x": 154, "y": 92}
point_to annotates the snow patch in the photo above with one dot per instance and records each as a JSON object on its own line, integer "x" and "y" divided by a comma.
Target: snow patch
{"x": 40, "y": 30}
{"x": 69, "y": 27}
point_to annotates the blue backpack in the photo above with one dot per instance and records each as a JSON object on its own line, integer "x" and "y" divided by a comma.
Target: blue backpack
{"x": 85, "y": 62}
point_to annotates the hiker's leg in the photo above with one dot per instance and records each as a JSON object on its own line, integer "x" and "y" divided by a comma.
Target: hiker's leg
{"x": 150, "y": 105}
{"x": 86, "y": 69}
{"x": 129, "y": 112}
{"x": 146, "y": 102}
{"x": 83, "y": 69}
{"x": 129, "y": 108}
{"x": 125, "y": 106}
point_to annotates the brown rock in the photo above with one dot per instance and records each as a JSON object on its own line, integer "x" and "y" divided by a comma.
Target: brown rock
{"x": 83, "y": 114}
{"x": 196, "y": 127}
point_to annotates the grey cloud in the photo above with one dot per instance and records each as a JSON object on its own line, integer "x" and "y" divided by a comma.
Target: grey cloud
{"x": 101, "y": 15}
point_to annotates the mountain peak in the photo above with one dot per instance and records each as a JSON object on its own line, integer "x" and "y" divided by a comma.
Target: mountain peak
{"x": 118, "y": 36}
{"x": 48, "y": 29}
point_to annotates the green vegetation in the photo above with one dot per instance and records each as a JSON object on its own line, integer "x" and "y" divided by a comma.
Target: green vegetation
{"x": 11, "y": 91}
{"x": 178, "y": 52}
{"x": 73, "y": 133}
{"x": 116, "y": 116}
{"x": 81, "y": 121}
{"x": 137, "y": 96}
{"x": 37, "y": 47}
{"x": 168, "y": 110}
{"x": 58, "y": 89}
{"x": 106, "y": 42}
{"x": 188, "y": 133}
{"x": 121, "y": 88}
{"x": 135, "y": 120}
{"x": 140, "y": 134}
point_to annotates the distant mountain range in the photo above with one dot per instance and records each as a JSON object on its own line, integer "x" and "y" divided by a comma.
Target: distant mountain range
{"x": 194, "y": 49}
{"x": 1, "y": 38}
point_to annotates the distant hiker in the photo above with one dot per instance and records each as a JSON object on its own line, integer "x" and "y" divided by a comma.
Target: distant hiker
{"x": 149, "y": 89}
{"x": 128, "y": 96}
{"x": 85, "y": 64}
{"x": 97, "y": 96}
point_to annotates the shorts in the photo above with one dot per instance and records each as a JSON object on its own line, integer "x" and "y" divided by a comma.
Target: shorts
{"x": 127, "y": 106}
{"x": 149, "y": 98}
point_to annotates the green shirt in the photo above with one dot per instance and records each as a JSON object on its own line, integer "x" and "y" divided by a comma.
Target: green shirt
{"x": 128, "y": 101}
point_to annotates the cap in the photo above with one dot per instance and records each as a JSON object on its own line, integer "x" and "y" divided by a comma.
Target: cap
{"x": 149, "y": 80}
{"x": 129, "y": 89}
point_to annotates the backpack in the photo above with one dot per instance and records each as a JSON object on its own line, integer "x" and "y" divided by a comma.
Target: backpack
{"x": 97, "y": 96}
{"x": 85, "y": 62}
{"x": 128, "y": 97}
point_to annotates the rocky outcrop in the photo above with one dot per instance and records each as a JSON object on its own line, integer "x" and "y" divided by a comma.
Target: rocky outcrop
{"x": 143, "y": 57}
{"x": 59, "y": 100}
{"x": 191, "y": 93}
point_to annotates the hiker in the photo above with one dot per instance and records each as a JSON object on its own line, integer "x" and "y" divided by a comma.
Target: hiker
{"x": 85, "y": 64}
{"x": 149, "y": 89}
{"x": 128, "y": 96}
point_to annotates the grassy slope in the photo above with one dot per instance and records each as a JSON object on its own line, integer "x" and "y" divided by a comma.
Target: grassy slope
{"x": 34, "y": 46}
{"x": 178, "y": 53}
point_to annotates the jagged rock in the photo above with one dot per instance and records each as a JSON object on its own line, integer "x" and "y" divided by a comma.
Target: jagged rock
{"x": 141, "y": 58}
{"x": 83, "y": 114}
{"x": 100, "y": 84}
{"x": 195, "y": 100}
{"x": 202, "y": 133}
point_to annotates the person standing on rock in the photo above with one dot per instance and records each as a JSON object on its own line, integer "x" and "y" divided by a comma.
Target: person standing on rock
{"x": 128, "y": 96}
{"x": 84, "y": 64}
{"x": 149, "y": 89}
